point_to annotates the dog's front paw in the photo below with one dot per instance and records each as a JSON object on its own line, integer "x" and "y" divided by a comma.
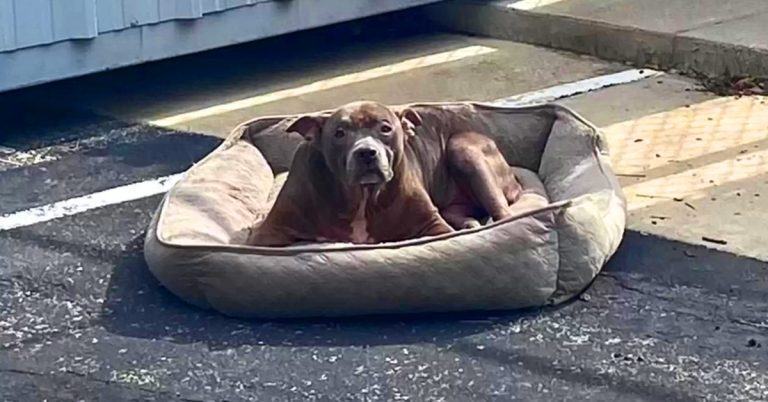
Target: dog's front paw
{"x": 471, "y": 224}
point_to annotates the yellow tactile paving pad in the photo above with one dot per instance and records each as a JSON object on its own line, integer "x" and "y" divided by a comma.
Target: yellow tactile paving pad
{"x": 687, "y": 152}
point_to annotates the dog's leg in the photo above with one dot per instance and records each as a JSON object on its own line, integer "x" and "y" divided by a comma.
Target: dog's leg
{"x": 408, "y": 215}
{"x": 476, "y": 161}
{"x": 435, "y": 226}
{"x": 268, "y": 237}
{"x": 421, "y": 209}
{"x": 460, "y": 216}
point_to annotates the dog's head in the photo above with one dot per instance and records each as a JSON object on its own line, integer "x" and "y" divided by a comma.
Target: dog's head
{"x": 362, "y": 142}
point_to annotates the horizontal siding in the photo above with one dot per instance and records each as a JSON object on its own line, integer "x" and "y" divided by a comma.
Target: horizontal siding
{"x": 27, "y": 23}
{"x": 236, "y": 3}
{"x": 180, "y": 9}
{"x": 7, "y": 25}
{"x": 211, "y": 6}
{"x": 39, "y": 64}
{"x": 109, "y": 15}
{"x": 141, "y": 12}
{"x": 33, "y": 22}
{"x": 74, "y": 19}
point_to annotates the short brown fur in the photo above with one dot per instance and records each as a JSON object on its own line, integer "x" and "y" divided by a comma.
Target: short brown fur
{"x": 316, "y": 204}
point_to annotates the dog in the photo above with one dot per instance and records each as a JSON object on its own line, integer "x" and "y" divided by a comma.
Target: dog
{"x": 363, "y": 175}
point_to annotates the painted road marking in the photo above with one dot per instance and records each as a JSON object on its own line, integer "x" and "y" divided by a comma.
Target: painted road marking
{"x": 160, "y": 185}
{"x": 531, "y": 4}
{"x": 322, "y": 85}
{"x": 51, "y": 153}
{"x": 578, "y": 87}
{"x": 10, "y": 159}
{"x": 88, "y": 202}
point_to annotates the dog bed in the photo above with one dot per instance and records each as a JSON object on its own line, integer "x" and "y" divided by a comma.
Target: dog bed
{"x": 568, "y": 223}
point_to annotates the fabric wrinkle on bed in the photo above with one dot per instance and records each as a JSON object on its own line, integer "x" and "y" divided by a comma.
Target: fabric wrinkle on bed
{"x": 568, "y": 222}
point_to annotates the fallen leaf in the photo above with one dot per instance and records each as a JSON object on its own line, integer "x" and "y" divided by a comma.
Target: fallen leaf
{"x": 713, "y": 240}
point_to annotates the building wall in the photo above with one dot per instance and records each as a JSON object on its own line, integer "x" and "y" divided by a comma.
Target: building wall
{"x": 45, "y": 40}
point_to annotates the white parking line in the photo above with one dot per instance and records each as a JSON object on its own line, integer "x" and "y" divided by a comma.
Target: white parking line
{"x": 77, "y": 205}
{"x": 160, "y": 185}
{"x": 13, "y": 159}
{"x": 530, "y": 4}
{"x": 578, "y": 87}
{"x": 335, "y": 82}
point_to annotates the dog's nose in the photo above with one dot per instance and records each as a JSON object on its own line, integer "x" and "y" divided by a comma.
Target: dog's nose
{"x": 366, "y": 155}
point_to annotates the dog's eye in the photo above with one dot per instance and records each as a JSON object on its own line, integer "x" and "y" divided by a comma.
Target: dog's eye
{"x": 386, "y": 128}
{"x": 339, "y": 133}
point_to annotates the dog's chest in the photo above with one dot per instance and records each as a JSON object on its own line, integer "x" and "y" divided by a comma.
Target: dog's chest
{"x": 359, "y": 224}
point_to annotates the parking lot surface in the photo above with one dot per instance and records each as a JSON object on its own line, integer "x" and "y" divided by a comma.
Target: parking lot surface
{"x": 83, "y": 319}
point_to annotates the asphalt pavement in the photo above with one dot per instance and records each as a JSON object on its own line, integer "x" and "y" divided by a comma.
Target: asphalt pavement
{"x": 83, "y": 319}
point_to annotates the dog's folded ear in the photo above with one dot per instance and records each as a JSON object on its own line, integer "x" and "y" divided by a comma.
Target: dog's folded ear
{"x": 409, "y": 115}
{"x": 409, "y": 119}
{"x": 308, "y": 126}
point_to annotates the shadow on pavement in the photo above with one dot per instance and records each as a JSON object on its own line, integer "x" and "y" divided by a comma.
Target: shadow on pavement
{"x": 129, "y": 154}
{"x": 136, "y": 305}
{"x": 548, "y": 367}
{"x": 672, "y": 263}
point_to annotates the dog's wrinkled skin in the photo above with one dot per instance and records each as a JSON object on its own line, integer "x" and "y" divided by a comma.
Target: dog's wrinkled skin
{"x": 363, "y": 176}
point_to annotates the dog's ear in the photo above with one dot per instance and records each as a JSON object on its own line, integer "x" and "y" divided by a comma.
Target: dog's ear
{"x": 308, "y": 126}
{"x": 409, "y": 115}
{"x": 409, "y": 119}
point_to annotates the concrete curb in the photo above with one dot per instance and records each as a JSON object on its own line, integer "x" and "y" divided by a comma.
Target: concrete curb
{"x": 601, "y": 39}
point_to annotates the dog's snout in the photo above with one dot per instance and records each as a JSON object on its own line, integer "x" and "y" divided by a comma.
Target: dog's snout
{"x": 366, "y": 155}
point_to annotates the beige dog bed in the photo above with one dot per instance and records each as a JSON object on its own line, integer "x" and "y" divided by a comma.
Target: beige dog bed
{"x": 569, "y": 223}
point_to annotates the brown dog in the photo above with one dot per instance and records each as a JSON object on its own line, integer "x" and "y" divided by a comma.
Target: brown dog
{"x": 363, "y": 176}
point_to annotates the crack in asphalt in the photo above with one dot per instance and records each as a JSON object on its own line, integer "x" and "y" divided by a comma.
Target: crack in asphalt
{"x": 625, "y": 286}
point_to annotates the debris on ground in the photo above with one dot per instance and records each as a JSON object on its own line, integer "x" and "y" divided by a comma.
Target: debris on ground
{"x": 738, "y": 85}
{"x": 713, "y": 240}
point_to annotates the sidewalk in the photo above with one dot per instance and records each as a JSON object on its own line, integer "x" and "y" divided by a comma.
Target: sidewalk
{"x": 694, "y": 165}
{"x": 695, "y": 171}
{"x": 710, "y": 37}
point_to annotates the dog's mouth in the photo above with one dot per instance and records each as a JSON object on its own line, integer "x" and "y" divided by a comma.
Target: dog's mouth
{"x": 371, "y": 173}
{"x": 371, "y": 179}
